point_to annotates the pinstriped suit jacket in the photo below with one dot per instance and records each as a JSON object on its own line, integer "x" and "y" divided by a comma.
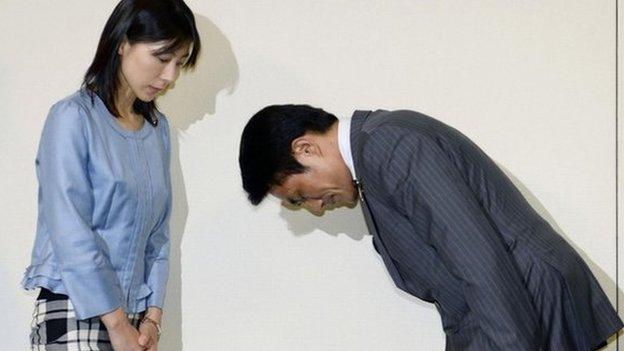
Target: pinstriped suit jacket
{"x": 453, "y": 230}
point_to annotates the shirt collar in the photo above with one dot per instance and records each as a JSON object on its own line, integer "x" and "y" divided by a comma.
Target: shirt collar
{"x": 344, "y": 143}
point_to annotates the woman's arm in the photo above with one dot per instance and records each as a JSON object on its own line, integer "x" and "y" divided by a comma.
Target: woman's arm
{"x": 67, "y": 202}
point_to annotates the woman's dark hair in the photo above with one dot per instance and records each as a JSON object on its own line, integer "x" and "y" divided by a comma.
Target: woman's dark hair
{"x": 140, "y": 21}
{"x": 265, "y": 156}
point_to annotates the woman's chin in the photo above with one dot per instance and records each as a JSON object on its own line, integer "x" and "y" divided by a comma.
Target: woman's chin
{"x": 147, "y": 98}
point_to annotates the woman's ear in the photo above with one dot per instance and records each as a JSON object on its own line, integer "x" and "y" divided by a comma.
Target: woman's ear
{"x": 123, "y": 47}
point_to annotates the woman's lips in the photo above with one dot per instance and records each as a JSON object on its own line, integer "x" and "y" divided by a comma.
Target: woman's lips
{"x": 154, "y": 90}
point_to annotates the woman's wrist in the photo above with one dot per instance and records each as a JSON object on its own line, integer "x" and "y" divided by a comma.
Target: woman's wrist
{"x": 154, "y": 313}
{"x": 115, "y": 319}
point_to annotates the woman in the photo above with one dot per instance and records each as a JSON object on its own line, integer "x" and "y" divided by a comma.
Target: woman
{"x": 101, "y": 251}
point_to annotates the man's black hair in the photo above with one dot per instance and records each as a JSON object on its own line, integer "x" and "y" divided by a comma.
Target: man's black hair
{"x": 266, "y": 157}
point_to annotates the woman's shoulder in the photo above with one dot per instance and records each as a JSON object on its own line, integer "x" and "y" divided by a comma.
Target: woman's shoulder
{"x": 69, "y": 115}
{"x": 76, "y": 106}
{"x": 162, "y": 118}
{"x": 163, "y": 124}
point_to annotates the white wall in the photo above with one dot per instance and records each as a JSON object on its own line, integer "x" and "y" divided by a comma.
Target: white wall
{"x": 532, "y": 82}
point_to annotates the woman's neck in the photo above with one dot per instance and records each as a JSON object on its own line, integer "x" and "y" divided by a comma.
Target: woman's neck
{"x": 124, "y": 99}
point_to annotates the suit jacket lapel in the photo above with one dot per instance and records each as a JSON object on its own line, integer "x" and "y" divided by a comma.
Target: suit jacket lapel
{"x": 358, "y": 136}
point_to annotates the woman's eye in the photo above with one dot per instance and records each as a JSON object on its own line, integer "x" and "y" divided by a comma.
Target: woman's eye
{"x": 164, "y": 59}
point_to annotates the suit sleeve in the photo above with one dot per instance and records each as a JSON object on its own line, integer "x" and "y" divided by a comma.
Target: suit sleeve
{"x": 158, "y": 244}
{"x": 419, "y": 176}
{"x": 67, "y": 207}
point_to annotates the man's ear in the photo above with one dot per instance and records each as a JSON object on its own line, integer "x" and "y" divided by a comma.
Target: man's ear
{"x": 304, "y": 146}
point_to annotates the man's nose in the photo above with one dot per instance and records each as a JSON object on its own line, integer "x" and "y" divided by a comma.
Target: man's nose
{"x": 315, "y": 206}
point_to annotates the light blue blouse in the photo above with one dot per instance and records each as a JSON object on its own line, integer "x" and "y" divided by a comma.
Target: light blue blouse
{"x": 104, "y": 204}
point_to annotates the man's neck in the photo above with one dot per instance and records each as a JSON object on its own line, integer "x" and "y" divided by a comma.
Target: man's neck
{"x": 344, "y": 145}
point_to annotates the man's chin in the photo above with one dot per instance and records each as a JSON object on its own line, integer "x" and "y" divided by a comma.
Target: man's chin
{"x": 341, "y": 204}
{"x": 348, "y": 204}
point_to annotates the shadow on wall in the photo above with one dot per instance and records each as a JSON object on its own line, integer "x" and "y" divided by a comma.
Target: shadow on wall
{"x": 339, "y": 221}
{"x": 195, "y": 93}
{"x": 194, "y": 97}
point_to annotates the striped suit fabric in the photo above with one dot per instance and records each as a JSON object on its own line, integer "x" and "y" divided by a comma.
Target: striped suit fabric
{"x": 453, "y": 230}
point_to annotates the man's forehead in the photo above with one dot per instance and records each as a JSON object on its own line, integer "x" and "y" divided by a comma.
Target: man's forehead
{"x": 287, "y": 191}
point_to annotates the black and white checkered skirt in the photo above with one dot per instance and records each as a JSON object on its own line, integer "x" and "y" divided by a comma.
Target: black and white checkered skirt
{"x": 55, "y": 327}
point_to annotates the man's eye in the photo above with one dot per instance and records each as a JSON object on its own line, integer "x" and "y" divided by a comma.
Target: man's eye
{"x": 296, "y": 203}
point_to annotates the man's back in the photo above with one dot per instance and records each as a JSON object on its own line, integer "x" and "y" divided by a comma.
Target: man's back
{"x": 459, "y": 233}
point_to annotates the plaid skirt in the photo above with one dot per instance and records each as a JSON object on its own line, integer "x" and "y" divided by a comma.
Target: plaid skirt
{"x": 55, "y": 327}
